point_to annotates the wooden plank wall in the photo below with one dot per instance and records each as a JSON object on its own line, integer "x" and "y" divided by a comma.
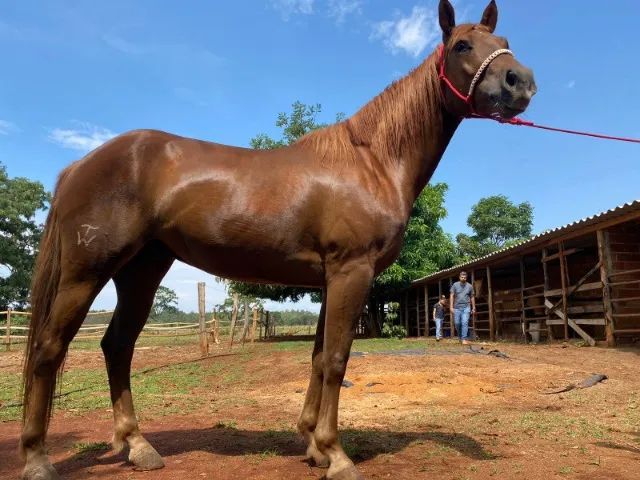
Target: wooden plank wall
{"x": 590, "y": 285}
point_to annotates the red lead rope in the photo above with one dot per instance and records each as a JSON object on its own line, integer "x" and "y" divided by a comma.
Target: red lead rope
{"x": 467, "y": 99}
{"x": 526, "y": 123}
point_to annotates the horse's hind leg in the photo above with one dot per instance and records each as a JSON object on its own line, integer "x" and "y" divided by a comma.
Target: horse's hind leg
{"x": 309, "y": 415}
{"x": 136, "y": 284}
{"x": 51, "y": 342}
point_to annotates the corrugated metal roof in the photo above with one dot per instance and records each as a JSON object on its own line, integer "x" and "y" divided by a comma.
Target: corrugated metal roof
{"x": 539, "y": 238}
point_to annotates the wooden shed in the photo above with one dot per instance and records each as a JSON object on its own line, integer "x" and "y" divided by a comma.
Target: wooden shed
{"x": 581, "y": 280}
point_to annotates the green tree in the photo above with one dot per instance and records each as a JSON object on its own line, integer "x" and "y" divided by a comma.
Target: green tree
{"x": 165, "y": 301}
{"x": 426, "y": 249}
{"x": 20, "y": 199}
{"x": 497, "y": 223}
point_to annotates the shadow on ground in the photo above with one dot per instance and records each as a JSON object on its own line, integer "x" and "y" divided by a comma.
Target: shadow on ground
{"x": 362, "y": 445}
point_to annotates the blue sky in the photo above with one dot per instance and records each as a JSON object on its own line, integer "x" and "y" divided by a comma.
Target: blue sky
{"x": 76, "y": 73}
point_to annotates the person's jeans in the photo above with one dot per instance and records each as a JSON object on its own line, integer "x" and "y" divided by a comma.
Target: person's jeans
{"x": 461, "y": 319}
{"x": 439, "y": 327}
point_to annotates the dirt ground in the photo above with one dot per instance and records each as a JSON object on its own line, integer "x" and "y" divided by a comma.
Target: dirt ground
{"x": 416, "y": 410}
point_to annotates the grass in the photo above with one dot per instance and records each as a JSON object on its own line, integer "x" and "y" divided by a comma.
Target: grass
{"x": 565, "y": 470}
{"x": 91, "y": 447}
{"x": 551, "y": 425}
{"x": 161, "y": 391}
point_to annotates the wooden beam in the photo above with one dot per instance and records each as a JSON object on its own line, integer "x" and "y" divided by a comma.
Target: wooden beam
{"x": 585, "y": 287}
{"x": 580, "y": 282}
{"x": 406, "y": 311}
{"x": 417, "y": 311}
{"x": 564, "y": 280}
{"x": 492, "y": 320}
{"x": 612, "y": 274}
{"x": 557, "y": 255}
{"x": 580, "y": 321}
{"x": 546, "y": 288}
{"x": 452, "y": 323}
{"x": 578, "y": 232}
{"x": 426, "y": 310}
{"x": 523, "y": 317}
{"x": 474, "y": 315}
{"x": 573, "y": 325}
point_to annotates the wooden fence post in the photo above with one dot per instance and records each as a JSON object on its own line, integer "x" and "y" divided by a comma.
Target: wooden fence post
{"x": 260, "y": 324}
{"x": 8, "y": 333}
{"x": 215, "y": 328}
{"x": 255, "y": 323}
{"x": 267, "y": 325}
{"x": 204, "y": 343}
{"x": 245, "y": 327}
{"x": 234, "y": 316}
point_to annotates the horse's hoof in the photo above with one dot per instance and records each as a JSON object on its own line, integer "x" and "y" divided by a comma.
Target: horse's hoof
{"x": 316, "y": 458}
{"x": 348, "y": 473}
{"x": 145, "y": 457}
{"x": 44, "y": 471}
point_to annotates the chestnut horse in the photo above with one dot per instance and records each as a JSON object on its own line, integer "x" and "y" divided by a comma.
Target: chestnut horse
{"x": 344, "y": 194}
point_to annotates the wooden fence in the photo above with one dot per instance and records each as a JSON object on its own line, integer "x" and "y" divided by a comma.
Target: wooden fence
{"x": 259, "y": 326}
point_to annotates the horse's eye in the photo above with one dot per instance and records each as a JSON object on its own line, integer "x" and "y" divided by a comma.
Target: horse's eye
{"x": 462, "y": 46}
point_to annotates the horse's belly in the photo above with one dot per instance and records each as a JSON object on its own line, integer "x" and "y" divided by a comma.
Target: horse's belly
{"x": 247, "y": 262}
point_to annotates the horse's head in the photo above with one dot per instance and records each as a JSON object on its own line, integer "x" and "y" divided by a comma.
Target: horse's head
{"x": 478, "y": 64}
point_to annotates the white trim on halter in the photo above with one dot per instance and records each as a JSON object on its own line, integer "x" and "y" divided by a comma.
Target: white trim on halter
{"x": 484, "y": 66}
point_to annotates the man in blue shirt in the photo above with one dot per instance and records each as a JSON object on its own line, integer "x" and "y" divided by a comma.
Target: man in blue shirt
{"x": 462, "y": 304}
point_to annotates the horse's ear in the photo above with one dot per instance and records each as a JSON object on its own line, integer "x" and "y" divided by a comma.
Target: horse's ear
{"x": 447, "y": 19}
{"x": 490, "y": 16}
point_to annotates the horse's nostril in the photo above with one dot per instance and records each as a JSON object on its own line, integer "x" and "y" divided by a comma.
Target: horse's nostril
{"x": 512, "y": 78}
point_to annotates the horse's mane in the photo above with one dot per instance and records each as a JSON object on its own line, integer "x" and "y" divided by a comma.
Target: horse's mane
{"x": 392, "y": 125}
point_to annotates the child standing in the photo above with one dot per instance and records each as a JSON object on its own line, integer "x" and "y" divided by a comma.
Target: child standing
{"x": 438, "y": 315}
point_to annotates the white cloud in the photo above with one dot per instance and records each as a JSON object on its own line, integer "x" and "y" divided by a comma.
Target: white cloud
{"x": 7, "y": 127}
{"x": 340, "y": 9}
{"x": 571, "y": 84}
{"x": 287, "y": 8}
{"x": 84, "y": 138}
{"x": 410, "y": 34}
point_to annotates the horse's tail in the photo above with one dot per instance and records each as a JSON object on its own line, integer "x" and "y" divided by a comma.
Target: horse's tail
{"x": 44, "y": 288}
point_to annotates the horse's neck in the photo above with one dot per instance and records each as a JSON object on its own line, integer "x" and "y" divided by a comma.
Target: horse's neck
{"x": 408, "y": 128}
{"x": 418, "y": 167}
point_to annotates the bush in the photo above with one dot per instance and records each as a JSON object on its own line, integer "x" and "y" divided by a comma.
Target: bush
{"x": 390, "y": 330}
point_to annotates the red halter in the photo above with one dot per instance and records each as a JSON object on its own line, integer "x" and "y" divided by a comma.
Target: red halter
{"x": 468, "y": 98}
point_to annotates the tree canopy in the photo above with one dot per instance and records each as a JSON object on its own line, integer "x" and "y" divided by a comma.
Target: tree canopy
{"x": 20, "y": 199}
{"x": 496, "y": 222}
{"x": 165, "y": 301}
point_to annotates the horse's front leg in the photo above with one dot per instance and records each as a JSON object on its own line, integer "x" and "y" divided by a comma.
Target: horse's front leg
{"x": 309, "y": 416}
{"x": 347, "y": 289}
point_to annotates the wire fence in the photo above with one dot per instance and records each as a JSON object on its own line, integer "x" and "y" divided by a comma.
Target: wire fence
{"x": 219, "y": 329}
